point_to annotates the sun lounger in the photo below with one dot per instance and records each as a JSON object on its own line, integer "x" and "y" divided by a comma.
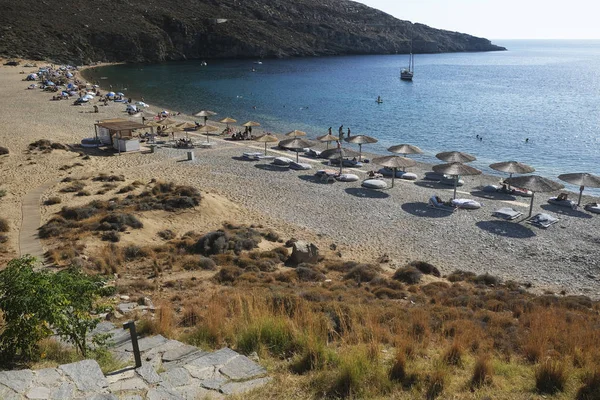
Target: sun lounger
{"x": 263, "y": 157}
{"x": 374, "y": 184}
{"x": 251, "y": 156}
{"x": 282, "y": 161}
{"x": 313, "y": 153}
{"x": 433, "y": 202}
{"x": 542, "y": 220}
{"x": 449, "y": 180}
{"x": 346, "y": 163}
{"x": 507, "y": 213}
{"x": 388, "y": 172}
{"x": 326, "y": 175}
{"x": 467, "y": 204}
{"x": 300, "y": 166}
{"x": 562, "y": 203}
{"x": 593, "y": 208}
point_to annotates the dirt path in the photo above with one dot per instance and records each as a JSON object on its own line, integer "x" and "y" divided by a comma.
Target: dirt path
{"x": 29, "y": 242}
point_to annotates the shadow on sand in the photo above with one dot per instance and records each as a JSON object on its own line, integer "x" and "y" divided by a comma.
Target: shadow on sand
{"x": 433, "y": 185}
{"x": 367, "y": 193}
{"x": 271, "y": 167}
{"x": 493, "y": 195}
{"x": 565, "y": 211}
{"x": 506, "y": 229}
{"x": 423, "y": 210}
{"x": 239, "y": 158}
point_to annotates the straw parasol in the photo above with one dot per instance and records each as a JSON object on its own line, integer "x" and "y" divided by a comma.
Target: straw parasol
{"x": 168, "y": 121}
{"x": 456, "y": 169}
{"x": 394, "y": 162}
{"x": 205, "y": 114}
{"x": 455, "y": 156}
{"x": 405, "y": 149}
{"x": 338, "y": 153}
{"x": 186, "y": 125}
{"x": 295, "y": 133}
{"x": 267, "y": 138}
{"x": 512, "y": 167}
{"x": 172, "y": 129}
{"x": 227, "y": 121}
{"x": 535, "y": 183}
{"x": 153, "y": 124}
{"x": 295, "y": 144}
{"x": 582, "y": 179}
{"x": 251, "y": 123}
{"x": 328, "y": 138}
{"x": 360, "y": 140}
{"x": 206, "y": 129}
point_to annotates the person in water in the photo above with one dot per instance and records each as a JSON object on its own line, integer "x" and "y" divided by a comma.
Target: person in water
{"x": 379, "y": 99}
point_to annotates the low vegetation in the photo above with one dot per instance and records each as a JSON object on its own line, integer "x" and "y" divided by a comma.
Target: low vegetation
{"x": 46, "y": 146}
{"x": 3, "y": 151}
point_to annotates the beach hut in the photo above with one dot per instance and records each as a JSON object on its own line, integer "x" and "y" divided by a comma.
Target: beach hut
{"x": 118, "y": 132}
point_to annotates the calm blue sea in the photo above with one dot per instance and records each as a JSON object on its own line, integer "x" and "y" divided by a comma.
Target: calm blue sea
{"x": 547, "y": 91}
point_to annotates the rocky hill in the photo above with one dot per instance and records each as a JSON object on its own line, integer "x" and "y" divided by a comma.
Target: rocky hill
{"x": 82, "y": 31}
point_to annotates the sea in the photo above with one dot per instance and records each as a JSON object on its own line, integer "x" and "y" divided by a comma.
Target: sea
{"x": 537, "y": 103}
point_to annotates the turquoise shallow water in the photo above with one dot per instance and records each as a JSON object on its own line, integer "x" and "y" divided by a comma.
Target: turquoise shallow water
{"x": 547, "y": 91}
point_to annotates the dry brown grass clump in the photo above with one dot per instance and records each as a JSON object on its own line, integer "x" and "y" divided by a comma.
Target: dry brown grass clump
{"x": 52, "y": 200}
{"x": 482, "y": 373}
{"x": 591, "y": 386}
{"x": 46, "y": 146}
{"x": 551, "y": 377}
{"x": 409, "y": 275}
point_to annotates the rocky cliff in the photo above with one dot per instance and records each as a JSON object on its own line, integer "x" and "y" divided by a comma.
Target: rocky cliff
{"x": 82, "y": 31}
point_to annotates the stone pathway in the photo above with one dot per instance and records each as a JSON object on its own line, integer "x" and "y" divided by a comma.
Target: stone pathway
{"x": 29, "y": 242}
{"x": 170, "y": 370}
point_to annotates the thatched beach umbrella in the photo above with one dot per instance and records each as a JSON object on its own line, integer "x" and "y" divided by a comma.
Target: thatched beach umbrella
{"x": 267, "y": 138}
{"x": 512, "y": 167}
{"x": 295, "y": 144}
{"x": 168, "y": 121}
{"x": 582, "y": 179}
{"x": 455, "y": 156}
{"x": 227, "y": 121}
{"x": 394, "y": 162}
{"x": 251, "y": 123}
{"x": 405, "y": 149}
{"x": 360, "y": 140}
{"x": 172, "y": 129}
{"x": 328, "y": 138}
{"x": 206, "y": 129}
{"x": 338, "y": 153}
{"x": 295, "y": 133}
{"x": 205, "y": 114}
{"x": 456, "y": 169}
{"x": 186, "y": 125}
{"x": 534, "y": 183}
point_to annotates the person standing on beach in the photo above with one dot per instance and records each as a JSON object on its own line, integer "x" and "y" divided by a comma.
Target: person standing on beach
{"x": 341, "y": 132}
{"x": 330, "y": 130}
{"x": 348, "y": 132}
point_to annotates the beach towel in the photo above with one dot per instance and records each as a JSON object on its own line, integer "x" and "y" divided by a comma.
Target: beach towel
{"x": 467, "y": 204}
{"x": 542, "y": 220}
{"x": 507, "y": 213}
{"x": 433, "y": 202}
{"x": 562, "y": 203}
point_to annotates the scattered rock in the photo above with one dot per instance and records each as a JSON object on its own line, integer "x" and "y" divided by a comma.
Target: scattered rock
{"x": 304, "y": 252}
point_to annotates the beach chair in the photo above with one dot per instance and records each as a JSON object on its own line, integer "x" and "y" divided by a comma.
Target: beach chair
{"x": 467, "y": 204}
{"x": 593, "y": 208}
{"x": 435, "y": 203}
{"x": 542, "y": 220}
{"x": 562, "y": 201}
{"x": 507, "y": 213}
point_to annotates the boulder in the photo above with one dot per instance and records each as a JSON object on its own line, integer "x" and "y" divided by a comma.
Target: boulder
{"x": 304, "y": 252}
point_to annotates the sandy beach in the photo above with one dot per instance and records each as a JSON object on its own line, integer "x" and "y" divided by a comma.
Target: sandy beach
{"x": 363, "y": 224}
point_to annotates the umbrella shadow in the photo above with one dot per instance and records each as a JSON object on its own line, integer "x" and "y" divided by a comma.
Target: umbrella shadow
{"x": 423, "y": 210}
{"x": 314, "y": 179}
{"x": 433, "y": 185}
{"x": 238, "y": 158}
{"x": 271, "y": 167}
{"x": 367, "y": 193}
{"x": 493, "y": 195}
{"x": 565, "y": 211}
{"x": 506, "y": 229}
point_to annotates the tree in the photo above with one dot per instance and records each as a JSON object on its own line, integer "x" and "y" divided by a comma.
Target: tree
{"x": 37, "y": 303}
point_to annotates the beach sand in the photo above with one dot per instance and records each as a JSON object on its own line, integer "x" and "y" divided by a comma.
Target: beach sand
{"x": 362, "y": 224}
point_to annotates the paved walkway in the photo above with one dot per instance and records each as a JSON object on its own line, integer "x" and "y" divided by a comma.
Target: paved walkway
{"x": 29, "y": 241}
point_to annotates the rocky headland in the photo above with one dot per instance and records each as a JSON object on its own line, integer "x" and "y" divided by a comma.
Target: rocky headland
{"x": 151, "y": 31}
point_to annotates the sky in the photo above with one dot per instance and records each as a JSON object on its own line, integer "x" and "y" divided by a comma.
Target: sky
{"x": 502, "y": 19}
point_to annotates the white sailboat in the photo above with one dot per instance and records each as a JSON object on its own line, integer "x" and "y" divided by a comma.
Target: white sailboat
{"x": 407, "y": 73}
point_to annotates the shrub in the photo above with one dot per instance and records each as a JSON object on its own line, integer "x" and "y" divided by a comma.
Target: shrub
{"x": 550, "y": 377}
{"x": 133, "y": 252}
{"x": 108, "y": 178}
{"x": 52, "y": 201}
{"x": 53, "y": 228}
{"x": 3, "y": 239}
{"x": 166, "y": 234}
{"x": 425, "y": 268}
{"x": 307, "y": 274}
{"x": 482, "y": 373}
{"x": 79, "y": 213}
{"x": 388, "y": 293}
{"x": 74, "y": 187}
{"x": 204, "y": 263}
{"x": 3, "y": 151}
{"x": 409, "y": 275}
{"x": 398, "y": 370}
{"x": 314, "y": 356}
{"x": 486, "y": 279}
{"x": 363, "y": 273}
{"x": 460, "y": 275}
{"x": 591, "y": 387}
{"x": 2, "y": 193}
{"x": 271, "y": 236}
{"x": 212, "y": 243}
{"x": 436, "y": 382}
{"x": 4, "y": 225}
{"x": 228, "y": 275}
{"x": 126, "y": 189}
{"x": 453, "y": 356}
{"x": 119, "y": 221}
{"x": 111, "y": 236}
{"x": 82, "y": 193}
{"x": 268, "y": 334}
